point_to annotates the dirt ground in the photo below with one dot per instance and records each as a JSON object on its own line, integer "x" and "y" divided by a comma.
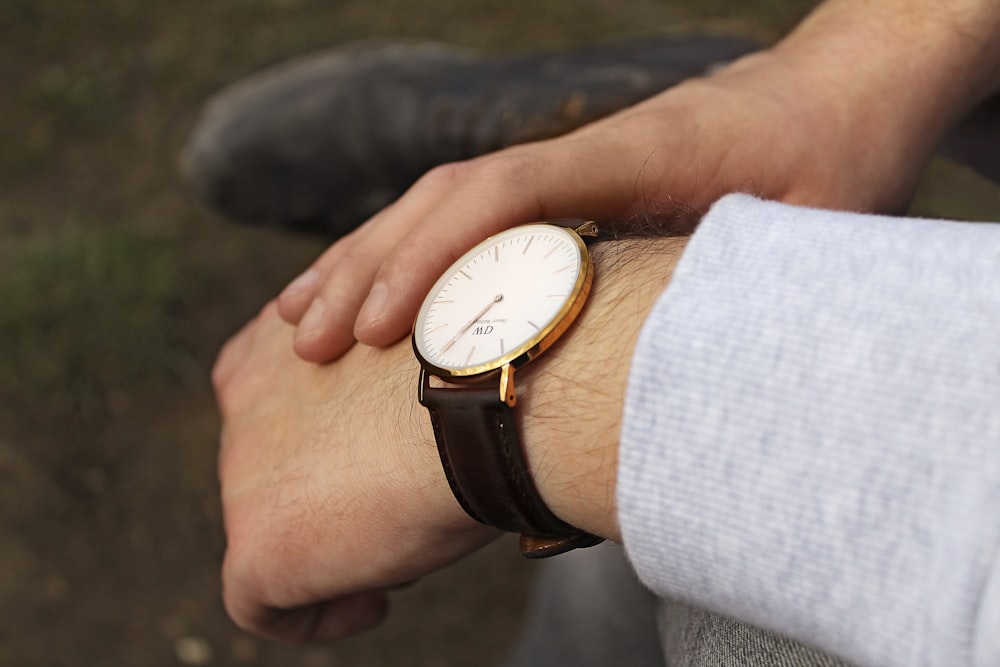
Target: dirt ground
{"x": 117, "y": 291}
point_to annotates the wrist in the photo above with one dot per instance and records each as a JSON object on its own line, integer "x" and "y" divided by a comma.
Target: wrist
{"x": 909, "y": 69}
{"x": 868, "y": 90}
{"x": 571, "y": 411}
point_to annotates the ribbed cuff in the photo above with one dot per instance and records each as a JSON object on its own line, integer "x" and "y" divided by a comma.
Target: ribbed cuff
{"x": 811, "y": 440}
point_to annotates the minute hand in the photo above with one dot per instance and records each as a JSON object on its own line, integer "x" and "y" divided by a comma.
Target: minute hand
{"x": 497, "y": 299}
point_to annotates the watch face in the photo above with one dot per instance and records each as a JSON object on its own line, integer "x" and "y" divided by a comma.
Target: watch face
{"x": 512, "y": 294}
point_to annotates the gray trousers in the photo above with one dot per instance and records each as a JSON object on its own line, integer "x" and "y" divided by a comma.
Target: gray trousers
{"x": 588, "y": 609}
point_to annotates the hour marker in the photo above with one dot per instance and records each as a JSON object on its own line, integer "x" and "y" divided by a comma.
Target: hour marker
{"x": 528, "y": 244}
{"x": 496, "y": 253}
{"x": 502, "y": 350}
{"x": 469, "y": 358}
{"x": 534, "y": 325}
{"x": 465, "y": 274}
{"x": 555, "y": 296}
{"x": 436, "y": 329}
{"x": 570, "y": 265}
{"x": 444, "y": 301}
{"x": 554, "y": 248}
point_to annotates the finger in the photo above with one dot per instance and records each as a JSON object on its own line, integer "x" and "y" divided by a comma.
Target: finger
{"x": 350, "y": 616}
{"x": 295, "y": 298}
{"x": 298, "y": 294}
{"x": 235, "y": 351}
{"x": 324, "y": 332}
{"x": 266, "y": 328}
{"x": 512, "y": 187}
{"x": 329, "y": 620}
{"x": 230, "y": 358}
{"x": 326, "y": 327}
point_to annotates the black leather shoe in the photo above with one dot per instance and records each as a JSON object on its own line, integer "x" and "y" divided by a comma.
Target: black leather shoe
{"x": 325, "y": 141}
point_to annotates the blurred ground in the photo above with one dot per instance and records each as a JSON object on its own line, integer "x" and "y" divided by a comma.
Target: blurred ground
{"x": 117, "y": 291}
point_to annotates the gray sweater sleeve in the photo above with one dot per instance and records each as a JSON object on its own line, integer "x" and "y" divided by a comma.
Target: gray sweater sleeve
{"x": 811, "y": 440}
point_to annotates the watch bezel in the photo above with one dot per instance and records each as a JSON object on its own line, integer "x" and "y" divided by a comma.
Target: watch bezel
{"x": 537, "y": 344}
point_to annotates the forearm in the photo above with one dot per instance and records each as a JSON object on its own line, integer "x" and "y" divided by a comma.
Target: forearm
{"x": 910, "y": 68}
{"x": 936, "y": 47}
{"x": 572, "y": 407}
{"x": 843, "y": 113}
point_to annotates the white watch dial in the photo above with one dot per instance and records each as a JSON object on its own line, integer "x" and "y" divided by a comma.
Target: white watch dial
{"x": 497, "y": 300}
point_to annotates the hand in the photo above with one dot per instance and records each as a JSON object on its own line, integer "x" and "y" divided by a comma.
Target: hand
{"x": 684, "y": 145}
{"x": 842, "y": 114}
{"x": 332, "y": 489}
{"x": 824, "y": 121}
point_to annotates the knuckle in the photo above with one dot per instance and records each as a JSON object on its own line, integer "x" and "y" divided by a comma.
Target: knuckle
{"x": 222, "y": 372}
{"x": 268, "y": 310}
{"x": 514, "y": 167}
{"x": 354, "y": 261}
{"x": 333, "y": 255}
{"x": 227, "y": 380}
{"x": 245, "y": 577}
{"x": 351, "y": 278}
{"x": 238, "y": 594}
{"x": 403, "y": 258}
{"x": 218, "y": 377}
{"x": 444, "y": 175}
{"x": 257, "y": 592}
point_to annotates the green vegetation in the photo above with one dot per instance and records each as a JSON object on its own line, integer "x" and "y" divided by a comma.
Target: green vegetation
{"x": 99, "y": 250}
{"x": 87, "y": 315}
{"x": 116, "y": 293}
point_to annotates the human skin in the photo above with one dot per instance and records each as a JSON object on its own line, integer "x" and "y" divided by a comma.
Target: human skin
{"x": 332, "y": 489}
{"x": 841, "y": 114}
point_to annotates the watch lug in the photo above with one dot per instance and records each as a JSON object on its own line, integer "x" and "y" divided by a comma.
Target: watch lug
{"x": 588, "y": 229}
{"x": 507, "y": 394}
{"x": 422, "y": 385}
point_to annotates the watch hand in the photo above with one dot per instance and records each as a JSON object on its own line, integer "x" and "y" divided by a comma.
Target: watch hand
{"x": 497, "y": 299}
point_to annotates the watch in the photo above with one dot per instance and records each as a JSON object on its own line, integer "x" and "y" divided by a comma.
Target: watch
{"x": 499, "y": 306}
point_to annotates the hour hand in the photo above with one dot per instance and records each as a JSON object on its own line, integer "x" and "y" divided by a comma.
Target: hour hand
{"x": 497, "y": 299}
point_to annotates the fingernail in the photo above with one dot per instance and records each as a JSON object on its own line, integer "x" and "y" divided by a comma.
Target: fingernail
{"x": 312, "y": 321}
{"x": 374, "y": 306}
{"x": 304, "y": 282}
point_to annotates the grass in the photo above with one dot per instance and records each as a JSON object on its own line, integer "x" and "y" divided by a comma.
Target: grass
{"x": 99, "y": 98}
{"x": 116, "y": 292}
{"x": 110, "y": 279}
{"x": 83, "y": 70}
{"x": 88, "y": 316}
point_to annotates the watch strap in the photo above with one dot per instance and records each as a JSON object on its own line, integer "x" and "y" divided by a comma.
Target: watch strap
{"x": 484, "y": 462}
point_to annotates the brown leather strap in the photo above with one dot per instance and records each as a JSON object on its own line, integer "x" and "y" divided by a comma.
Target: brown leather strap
{"x": 484, "y": 462}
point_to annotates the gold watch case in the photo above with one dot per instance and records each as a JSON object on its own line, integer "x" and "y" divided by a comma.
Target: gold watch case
{"x": 544, "y": 338}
